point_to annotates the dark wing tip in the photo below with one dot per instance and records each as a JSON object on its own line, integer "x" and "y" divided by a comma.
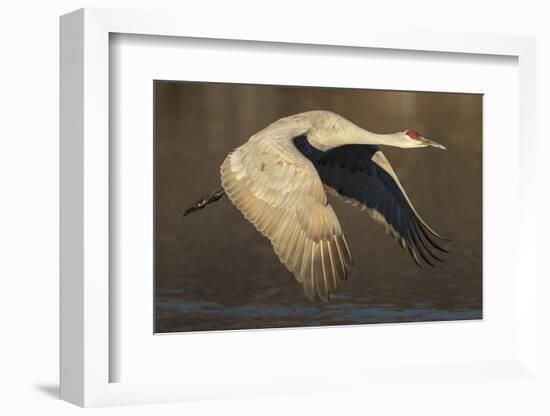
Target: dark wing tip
{"x": 418, "y": 248}
{"x": 426, "y": 234}
{"x": 414, "y": 256}
{"x": 439, "y": 236}
{"x": 424, "y": 244}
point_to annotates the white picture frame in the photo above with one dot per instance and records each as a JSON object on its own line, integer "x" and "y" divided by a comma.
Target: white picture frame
{"x": 85, "y": 209}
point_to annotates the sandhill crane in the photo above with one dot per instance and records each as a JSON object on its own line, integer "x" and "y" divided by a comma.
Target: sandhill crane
{"x": 278, "y": 179}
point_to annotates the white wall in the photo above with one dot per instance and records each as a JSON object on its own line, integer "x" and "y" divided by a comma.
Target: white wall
{"x": 29, "y": 183}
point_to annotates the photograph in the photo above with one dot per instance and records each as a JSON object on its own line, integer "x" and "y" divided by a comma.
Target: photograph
{"x": 280, "y": 206}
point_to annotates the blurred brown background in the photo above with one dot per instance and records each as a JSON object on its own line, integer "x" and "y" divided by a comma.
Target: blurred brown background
{"x": 213, "y": 270}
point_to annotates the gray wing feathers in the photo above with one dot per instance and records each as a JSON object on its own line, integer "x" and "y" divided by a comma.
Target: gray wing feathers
{"x": 282, "y": 195}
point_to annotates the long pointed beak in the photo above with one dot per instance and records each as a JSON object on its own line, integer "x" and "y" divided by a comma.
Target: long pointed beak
{"x": 432, "y": 143}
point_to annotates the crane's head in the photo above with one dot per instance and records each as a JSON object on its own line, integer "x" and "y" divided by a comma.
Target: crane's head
{"x": 411, "y": 138}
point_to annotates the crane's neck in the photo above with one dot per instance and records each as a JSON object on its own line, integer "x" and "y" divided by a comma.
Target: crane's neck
{"x": 367, "y": 137}
{"x": 326, "y": 139}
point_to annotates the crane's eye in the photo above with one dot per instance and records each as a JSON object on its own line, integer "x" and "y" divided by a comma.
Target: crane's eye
{"x": 413, "y": 134}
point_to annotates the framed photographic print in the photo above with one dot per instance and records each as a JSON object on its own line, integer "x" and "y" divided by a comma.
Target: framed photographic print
{"x": 235, "y": 223}
{"x": 213, "y": 271}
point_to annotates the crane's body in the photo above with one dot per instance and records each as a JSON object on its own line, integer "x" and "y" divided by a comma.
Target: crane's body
{"x": 278, "y": 179}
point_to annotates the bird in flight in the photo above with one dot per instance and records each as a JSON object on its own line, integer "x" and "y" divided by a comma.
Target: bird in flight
{"x": 279, "y": 180}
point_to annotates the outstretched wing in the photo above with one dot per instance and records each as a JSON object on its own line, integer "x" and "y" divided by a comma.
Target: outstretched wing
{"x": 361, "y": 175}
{"x": 279, "y": 191}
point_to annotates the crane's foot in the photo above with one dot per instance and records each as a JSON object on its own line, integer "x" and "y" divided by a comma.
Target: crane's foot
{"x": 203, "y": 202}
